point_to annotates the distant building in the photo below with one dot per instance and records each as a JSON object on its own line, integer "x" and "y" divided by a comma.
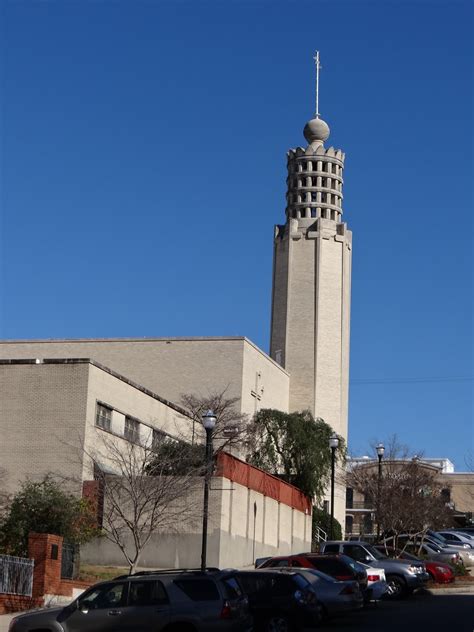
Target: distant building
{"x": 457, "y": 490}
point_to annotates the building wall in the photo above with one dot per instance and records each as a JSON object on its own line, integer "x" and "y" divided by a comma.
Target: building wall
{"x": 461, "y": 485}
{"x": 236, "y": 535}
{"x": 173, "y": 367}
{"x": 48, "y": 414}
{"x": 42, "y": 416}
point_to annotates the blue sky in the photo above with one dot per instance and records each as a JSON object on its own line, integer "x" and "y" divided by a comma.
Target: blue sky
{"x": 143, "y": 157}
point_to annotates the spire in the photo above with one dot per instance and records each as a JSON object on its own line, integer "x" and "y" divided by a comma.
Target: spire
{"x": 318, "y": 66}
{"x": 316, "y": 131}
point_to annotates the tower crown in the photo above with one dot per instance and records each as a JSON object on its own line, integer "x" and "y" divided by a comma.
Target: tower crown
{"x": 315, "y": 173}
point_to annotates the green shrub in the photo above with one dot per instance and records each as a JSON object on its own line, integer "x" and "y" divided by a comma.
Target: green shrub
{"x": 322, "y": 519}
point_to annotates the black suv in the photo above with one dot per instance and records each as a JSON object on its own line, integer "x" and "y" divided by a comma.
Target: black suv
{"x": 161, "y": 601}
{"x": 280, "y": 601}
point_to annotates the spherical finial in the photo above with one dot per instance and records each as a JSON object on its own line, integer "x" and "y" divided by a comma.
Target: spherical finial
{"x": 316, "y": 130}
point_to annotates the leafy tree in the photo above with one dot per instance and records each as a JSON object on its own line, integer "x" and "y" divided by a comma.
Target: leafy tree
{"x": 176, "y": 458}
{"x": 44, "y": 507}
{"x": 294, "y": 447}
{"x": 322, "y": 519}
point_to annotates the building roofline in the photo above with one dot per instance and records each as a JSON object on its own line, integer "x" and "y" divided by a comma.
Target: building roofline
{"x": 102, "y": 367}
{"x": 145, "y": 339}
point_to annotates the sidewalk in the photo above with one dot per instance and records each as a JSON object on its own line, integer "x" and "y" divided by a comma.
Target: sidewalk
{"x": 4, "y": 621}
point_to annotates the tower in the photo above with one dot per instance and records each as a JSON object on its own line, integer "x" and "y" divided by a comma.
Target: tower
{"x": 312, "y": 280}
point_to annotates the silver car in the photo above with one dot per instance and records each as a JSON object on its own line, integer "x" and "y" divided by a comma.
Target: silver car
{"x": 335, "y": 596}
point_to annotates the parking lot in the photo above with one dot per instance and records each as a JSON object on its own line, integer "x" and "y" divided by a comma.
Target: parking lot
{"x": 444, "y": 611}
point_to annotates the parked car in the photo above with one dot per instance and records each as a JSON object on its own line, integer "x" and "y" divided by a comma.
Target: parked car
{"x": 376, "y": 582}
{"x": 432, "y": 550}
{"x": 402, "y": 576}
{"x": 339, "y": 567}
{"x": 453, "y": 537}
{"x": 442, "y": 541}
{"x": 280, "y": 601}
{"x": 336, "y": 597}
{"x": 188, "y": 601}
{"x": 438, "y": 572}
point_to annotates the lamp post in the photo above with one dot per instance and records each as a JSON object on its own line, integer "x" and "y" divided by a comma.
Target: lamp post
{"x": 333, "y": 443}
{"x": 380, "y": 452}
{"x": 209, "y": 422}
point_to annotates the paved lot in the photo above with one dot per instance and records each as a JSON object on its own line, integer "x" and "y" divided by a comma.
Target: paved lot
{"x": 442, "y": 612}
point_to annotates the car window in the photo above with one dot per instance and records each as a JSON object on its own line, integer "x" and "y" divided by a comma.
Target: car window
{"x": 254, "y": 583}
{"x": 105, "y": 596}
{"x": 146, "y": 593}
{"x": 232, "y": 588}
{"x": 282, "y": 586}
{"x": 282, "y": 563}
{"x": 355, "y": 551}
{"x": 331, "y": 548}
{"x": 198, "y": 589}
{"x": 331, "y": 566}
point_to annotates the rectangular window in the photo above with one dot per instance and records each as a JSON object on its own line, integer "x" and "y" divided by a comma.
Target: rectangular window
{"x": 198, "y": 589}
{"x": 132, "y": 430}
{"x": 103, "y": 417}
{"x": 147, "y": 593}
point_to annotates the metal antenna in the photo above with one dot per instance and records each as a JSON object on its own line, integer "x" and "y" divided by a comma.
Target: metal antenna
{"x": 318, "y": 67}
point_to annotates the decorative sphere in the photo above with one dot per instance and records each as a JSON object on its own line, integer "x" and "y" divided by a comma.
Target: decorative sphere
{"x": 316, "y": 129}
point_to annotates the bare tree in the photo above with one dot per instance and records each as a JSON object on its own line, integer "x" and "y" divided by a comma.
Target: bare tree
{"x": 407, "y": 498}
{"x": 231, "y": 425}
{"x": 137, "y": 501}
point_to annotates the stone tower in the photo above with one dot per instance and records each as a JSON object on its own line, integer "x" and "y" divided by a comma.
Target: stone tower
{"x": 312, "y": 281}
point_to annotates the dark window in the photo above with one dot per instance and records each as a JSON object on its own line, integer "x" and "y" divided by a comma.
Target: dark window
{"x": 54, "y": 551}
{"x": 349, "y": 497}
{"x": 313, "y": 212}
{"x": 132, "y": 430}
{"x": 326, "y": 506}
{"x": 282, "y": 563}
{"x": 332, "y": 567}
{"x": 232, "y": 588}
{"x": 103, "y": 417}
{"x": 105, "y": 596}
{"x": 198, "y": 589}
{"x": 147, "y": 593}
{"x": 356, "y": 552}
{"x": 331, "y": 548}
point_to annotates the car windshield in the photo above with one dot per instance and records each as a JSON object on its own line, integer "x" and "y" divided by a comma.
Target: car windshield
{"x": 373, "y": 551}
{"x": 437, "y": 537}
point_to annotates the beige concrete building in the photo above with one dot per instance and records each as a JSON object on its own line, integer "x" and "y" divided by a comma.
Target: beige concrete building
{"x": 56, "y": 413}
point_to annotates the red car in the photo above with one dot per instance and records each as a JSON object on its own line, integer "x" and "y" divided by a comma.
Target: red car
{"x": 439, "y": 572}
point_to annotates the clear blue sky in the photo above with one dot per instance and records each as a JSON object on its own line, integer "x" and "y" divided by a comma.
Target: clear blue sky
{"x": 144, "y": 164}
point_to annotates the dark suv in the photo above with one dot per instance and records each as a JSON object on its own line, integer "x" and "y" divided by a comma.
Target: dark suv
{"x": 161, "y": 601}
{"x": 280, "y": 601}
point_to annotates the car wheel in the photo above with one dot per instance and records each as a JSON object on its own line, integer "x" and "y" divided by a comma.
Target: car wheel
{"x": 278, "y": 623}
{"x": 396, "y": 587}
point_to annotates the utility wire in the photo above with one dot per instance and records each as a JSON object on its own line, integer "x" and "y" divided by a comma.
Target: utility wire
{"x": 411, "y": 380}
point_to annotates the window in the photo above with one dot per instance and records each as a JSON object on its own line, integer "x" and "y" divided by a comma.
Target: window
{"x": 103, "y": 417}
{"x": 132, "y": 430}
{"x": 105, "y": 596}
{"x": 198, "y": 589}
{"x": 356, "y": 552}
{"x": 147, "y": 593}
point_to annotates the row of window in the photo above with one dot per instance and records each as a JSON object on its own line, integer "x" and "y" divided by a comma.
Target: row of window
{"x": 326, "y": 183}
{"x": 325, "y": 214}
{"x": 309, "y": 165}
{"x": 326, "y": 198}
{"x": 132, "y": 428}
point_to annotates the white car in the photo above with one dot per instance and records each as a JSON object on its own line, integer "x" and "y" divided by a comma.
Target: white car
{"x": 453, "y": 537}
{"x": 376, "y": 581}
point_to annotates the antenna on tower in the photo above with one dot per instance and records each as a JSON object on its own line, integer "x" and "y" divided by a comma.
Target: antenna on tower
{"x": 318, "y": 67}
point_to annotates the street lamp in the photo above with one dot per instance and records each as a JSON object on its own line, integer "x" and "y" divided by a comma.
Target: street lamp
{"x": 380, "y": 452}
{"x": 209, "y": 422}
{"x": 333, "y": 443}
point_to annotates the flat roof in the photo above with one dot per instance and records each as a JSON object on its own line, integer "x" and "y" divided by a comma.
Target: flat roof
{"x": 149, "y": 339}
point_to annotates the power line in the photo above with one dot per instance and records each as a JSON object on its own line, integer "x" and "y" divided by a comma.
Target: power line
{"x": 411, "y": 380}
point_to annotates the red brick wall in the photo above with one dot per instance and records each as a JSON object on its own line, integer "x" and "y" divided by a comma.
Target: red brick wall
{"x": 47, "y": 571}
